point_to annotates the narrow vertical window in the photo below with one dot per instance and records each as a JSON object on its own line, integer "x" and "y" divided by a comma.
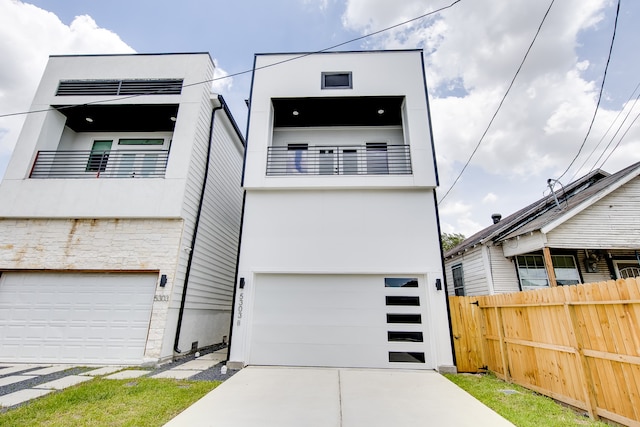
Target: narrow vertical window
{"x": 377, "y": 158}
{"x": 458, "y": 280}
{"x": 99, "y": 156}
{"x": 297, "y": 158}
{"x": 350, "y": 162}
{"x": 326, "y": 162}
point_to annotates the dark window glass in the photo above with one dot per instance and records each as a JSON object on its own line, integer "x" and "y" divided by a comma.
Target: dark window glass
{"x": 396, "y": 300}
{"x": 458, "y": 279}
{"x": 99, "y": 156}
{"x": 404, "y": 318}
{"x": 405, "y": 336}
{"x": 406, "y": 357}
{"x": 336, "y": 80}
{"x": 400, "y": 283}
{"x": 140, "y": 141}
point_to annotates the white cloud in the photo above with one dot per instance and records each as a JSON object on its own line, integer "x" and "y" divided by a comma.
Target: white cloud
{"x": 28, "y": 36}
{"x": 489, "y": 198}
{"x": 221, "y": 83}
{"x": 472, "y": 51}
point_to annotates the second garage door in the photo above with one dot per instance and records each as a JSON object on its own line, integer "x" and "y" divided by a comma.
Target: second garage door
{"x": 341, "y": 321}
{"x": 75, "y": 318}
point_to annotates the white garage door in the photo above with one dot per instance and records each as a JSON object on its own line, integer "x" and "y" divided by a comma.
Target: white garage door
{"x": 342, "y": 321}
{"x": 75, "y": 318}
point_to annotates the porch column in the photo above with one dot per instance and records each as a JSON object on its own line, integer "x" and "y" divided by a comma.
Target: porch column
{"x": 548, "y": 264}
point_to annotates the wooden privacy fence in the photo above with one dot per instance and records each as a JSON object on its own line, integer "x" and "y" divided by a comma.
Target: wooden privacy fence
{"x": 578, "y": 344}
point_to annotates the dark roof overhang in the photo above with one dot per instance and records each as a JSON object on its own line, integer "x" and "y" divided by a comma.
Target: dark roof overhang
{"x": 120, "y": 118}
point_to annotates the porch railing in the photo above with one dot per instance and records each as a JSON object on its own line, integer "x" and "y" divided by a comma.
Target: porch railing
{"x": 369, "y": 159}
{"x": 100, "y": 164}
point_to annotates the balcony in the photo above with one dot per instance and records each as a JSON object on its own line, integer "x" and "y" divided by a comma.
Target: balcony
{"x": 367, "y": 159}
{"x": 100, "y": 164}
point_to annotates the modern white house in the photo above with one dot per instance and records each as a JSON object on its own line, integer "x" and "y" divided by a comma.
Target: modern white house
{"x": 587, "y": 231}
{"x": 120, "y": 213}
{"x": 340, "y": 262}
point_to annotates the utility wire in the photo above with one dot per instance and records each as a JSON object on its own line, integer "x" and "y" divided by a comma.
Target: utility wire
{"x": 604, "y": 78}
{"x": 499, "y": 105}
{"x": 614, "y": 136}
{"x": 252, "y": 69}
{"x": 620, "y": 140}
{"x": 613, "y": 122}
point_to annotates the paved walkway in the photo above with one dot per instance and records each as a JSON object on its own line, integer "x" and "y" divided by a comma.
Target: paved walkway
{"x": 20, "y": 383}
{"x": 336, "y": 397}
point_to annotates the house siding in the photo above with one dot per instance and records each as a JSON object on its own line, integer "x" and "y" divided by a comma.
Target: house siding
{"x": 505, "y": 278}
{"x": 615, "y": 216}
{"x": 110, "y": 245}
{"x": 194, "y": 180}
{"x": 473, "y": 270}
{"x": 211, "y": 278}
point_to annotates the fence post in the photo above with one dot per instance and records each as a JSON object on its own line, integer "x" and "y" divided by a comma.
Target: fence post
{"x": 583, "y": 365}
{"x": 548, "y": 264}
{"x": 503, "y": 345}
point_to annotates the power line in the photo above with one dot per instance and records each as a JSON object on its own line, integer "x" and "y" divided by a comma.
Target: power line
{"x": 620, "y": 140}
{"x": 604, "y": 78}
{"x": 613, "y": 122}
{"x": 499, "y": 105}
{"x": 252, "y": 69}
{"x": 614, "y": 136}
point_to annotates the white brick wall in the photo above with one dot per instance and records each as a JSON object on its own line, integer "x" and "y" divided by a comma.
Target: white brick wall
{"x": 98, "y": 244}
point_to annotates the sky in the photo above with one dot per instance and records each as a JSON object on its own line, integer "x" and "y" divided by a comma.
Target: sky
{"x": 472, "y": 52}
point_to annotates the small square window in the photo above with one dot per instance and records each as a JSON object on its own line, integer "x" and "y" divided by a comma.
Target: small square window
{"x": 341, "y": 80}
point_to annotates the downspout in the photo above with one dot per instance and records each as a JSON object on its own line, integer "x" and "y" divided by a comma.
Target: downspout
{"x": 195, "y": 231}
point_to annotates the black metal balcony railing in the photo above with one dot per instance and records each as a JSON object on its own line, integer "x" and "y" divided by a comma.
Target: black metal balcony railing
{"x": 100, "y": 164}
{"x": 369, "y": 159}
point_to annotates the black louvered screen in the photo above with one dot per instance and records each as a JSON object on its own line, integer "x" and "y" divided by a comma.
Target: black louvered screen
{"x": 119, "y": 87}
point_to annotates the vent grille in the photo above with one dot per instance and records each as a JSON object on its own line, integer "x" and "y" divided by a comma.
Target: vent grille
{"x": 119, "y": 87}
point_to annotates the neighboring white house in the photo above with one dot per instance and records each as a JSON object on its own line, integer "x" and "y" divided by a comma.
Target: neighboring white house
{"x": 122, "y": 193}
{"x": 340, "y": 262}
{"x": 588, "y": 231}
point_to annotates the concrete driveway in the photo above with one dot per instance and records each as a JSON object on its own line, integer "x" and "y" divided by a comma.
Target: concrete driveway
{"x": 337, "y": 397}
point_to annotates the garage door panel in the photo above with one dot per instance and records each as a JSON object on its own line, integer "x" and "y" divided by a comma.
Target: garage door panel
{"x": 311, "y": 299}
{"x": 74, "y": 318}
{"x": 302, "y": 316}
{"x": 330, "y": 320}
{"x": 290, "y": 334}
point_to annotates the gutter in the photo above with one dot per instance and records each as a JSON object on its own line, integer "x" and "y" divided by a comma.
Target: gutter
{"x": 195, "y": 227}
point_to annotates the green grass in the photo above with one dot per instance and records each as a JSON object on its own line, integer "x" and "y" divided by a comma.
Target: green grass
{"x": 525, "y": 408}
{"x": 100, "y": 402}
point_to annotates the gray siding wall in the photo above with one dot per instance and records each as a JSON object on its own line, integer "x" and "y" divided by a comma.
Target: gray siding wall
{"x": 473, "y": 269}
{"x": 603, "y": 270}
{"x": 505, "y": 278}
{"x": 211, "y": 280}
{"x": 194, "y": 183}
{"x": 612, "y": 222}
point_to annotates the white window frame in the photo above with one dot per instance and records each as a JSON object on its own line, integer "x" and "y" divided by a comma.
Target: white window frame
{"x": 560, "y": 274}
{"x": 625, "y": 263}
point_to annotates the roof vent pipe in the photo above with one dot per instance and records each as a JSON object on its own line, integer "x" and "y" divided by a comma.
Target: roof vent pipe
{"x": 496, "y": 217}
